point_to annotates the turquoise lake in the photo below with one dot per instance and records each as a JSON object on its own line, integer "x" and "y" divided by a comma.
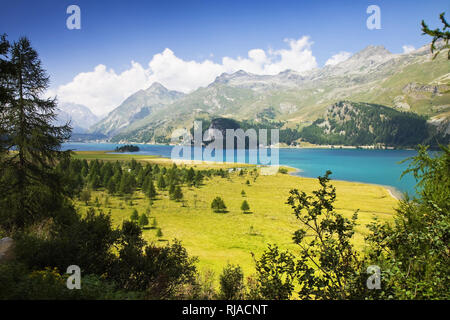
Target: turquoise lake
{"x": 369, "y": 166}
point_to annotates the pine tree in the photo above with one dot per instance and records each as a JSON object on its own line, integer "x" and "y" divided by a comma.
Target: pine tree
{"x": 127, "y": 184}
{"x": 198, "y": 179}
{"x": 438, "y": 35}
{"x": 161, "y": 182}
{"x": 218, "y": 205}
{"x": 140, "y": 178}
{"x": 190, "y": 176}
{"x": 151, "y": 190}
{"x": 134, "y": 215}
{"x": 6, "y": 72}
{"x": 143, "y": 220}
{"x": 171, "y": 191}
{"x": 178, "y": 194}
{"x": 34, "y": 189}
{"x": 244, "y": 206}
{"x": 85, "y": 196}
{"x": 145, "y": 184}
{"x": 111, "y": 186}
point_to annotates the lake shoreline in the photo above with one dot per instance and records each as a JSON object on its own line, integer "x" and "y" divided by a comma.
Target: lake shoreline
{"x": 319, "y": 146}
{"x": 379, "y": 167}
{"x": 392, "y": 191}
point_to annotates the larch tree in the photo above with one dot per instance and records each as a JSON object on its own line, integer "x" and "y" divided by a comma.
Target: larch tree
{"x": 32, "y": 187}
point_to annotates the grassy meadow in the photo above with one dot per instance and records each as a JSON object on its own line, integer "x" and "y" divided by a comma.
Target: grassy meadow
{"x": 218, "y": 238}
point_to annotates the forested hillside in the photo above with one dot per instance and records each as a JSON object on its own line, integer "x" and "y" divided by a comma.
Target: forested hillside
{"x": 351, "y": 123}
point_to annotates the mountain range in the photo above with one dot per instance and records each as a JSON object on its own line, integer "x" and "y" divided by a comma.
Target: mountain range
{"x": 412, "y": 82}
{"x": 80, "y": 117}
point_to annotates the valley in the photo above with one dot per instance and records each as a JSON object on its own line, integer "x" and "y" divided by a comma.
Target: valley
{"x": 231, "y": 237}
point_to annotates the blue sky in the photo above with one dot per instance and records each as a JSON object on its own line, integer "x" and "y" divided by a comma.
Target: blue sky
{"x": 114, "y": 33}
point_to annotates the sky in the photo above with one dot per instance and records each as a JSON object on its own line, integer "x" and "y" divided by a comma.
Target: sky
{"x": 125, "y": 46}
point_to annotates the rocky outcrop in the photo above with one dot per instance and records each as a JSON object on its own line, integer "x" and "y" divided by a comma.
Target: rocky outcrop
{"x": 442, "y": 124}
{"x": 417, "y": 88}
{"x": 7, "y": 246}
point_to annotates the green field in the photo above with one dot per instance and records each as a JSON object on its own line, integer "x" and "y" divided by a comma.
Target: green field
{"x": 218, "y": 238}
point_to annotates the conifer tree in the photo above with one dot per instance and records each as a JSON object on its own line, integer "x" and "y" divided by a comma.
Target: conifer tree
{"x": 111, "y": 186}
{"x": 34, "y": 189}
{"x": 218, "y": 205}
{"x": 134, "y": 215}
{"x": 198, "y": 179}
{"x": 438, "y": 35}
{"x": 151, "y": 190}
{"x": 143, "y": 220}
{"x": 171, "y": 191}
{"x": 177, "y": 194}
{"x": 244, "y": 206}
{"x": 161, "y": 182}
{"x": 154, "y": 223}
{"x": 190, "y": 176}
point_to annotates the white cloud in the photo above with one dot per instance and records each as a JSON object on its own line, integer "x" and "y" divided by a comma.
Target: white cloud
{"x": 338, "y": 58}
{"x": 408, "y": 49}
{"x": 103, "y": 89}
{"x": 178, "y": 74}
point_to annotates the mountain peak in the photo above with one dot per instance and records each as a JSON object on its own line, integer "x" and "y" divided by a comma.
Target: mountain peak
{"x": 225, "y": 77}
{"x": 372, "y": 50}
{"x": 240, "y": 73}
{"x": 156, "y": 86}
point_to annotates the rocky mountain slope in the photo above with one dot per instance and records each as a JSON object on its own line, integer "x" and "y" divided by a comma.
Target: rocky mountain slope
{"x": 138, "y": 106}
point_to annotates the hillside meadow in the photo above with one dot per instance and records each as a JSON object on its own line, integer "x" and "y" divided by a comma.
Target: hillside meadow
{"x": 219, "y": 238}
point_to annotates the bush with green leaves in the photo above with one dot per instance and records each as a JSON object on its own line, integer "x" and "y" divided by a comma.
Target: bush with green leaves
{"x": 159, "y": 271}
{"x": 86, "y": 240}
{"x": 275, "y": 277}
{"x": 413, "y": 250}
{"x": 282, "y": 170}
{"x": 18, "y": 283}
{"x": 231, "y": 283}
{"x": 329, "y": 267}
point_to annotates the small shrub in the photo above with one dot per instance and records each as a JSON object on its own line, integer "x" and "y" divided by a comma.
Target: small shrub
{"x": 231, "y": 283}
{"x": 282, "y": 170}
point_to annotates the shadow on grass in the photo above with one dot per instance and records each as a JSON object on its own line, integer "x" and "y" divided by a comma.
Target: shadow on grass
{"x": 221, "y": 211}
